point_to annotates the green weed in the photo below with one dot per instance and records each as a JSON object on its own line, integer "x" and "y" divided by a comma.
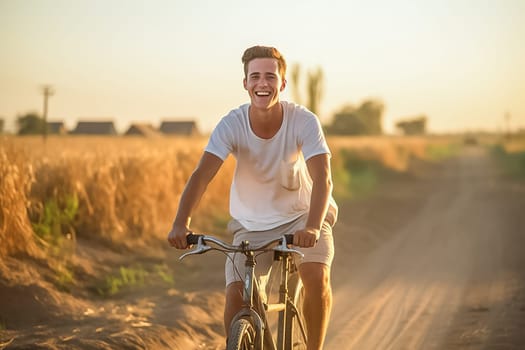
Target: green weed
{"x": 512, "y": 163}
{"x": 56, "y": 219}
{"x": 360, "y": 176}
{"x": 341, "y": 180}
{"x": 134, "y": 277}
{"x": 125, "y": 278}
{"x": 439, "y": 152}
{"x": 65, "y": 278}
{"x": 163, "y": 272}
{"x": 54, "y": 225}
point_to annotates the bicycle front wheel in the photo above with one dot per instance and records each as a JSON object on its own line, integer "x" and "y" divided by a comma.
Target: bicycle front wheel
{"x": 242, "y": 335}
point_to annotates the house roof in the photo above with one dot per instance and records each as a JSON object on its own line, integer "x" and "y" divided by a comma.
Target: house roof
{"x": 95, "y": 128}
{"x": 56, "y": 127}
{"x": 179, "y": 127}
{"x": 142, "y": 129}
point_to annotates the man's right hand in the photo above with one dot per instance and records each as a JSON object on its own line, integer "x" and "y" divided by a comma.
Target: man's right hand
{"x": 177, "y": 237}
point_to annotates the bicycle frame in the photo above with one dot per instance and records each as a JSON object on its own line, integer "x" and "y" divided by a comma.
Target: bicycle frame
{"x": 253, "y": 306}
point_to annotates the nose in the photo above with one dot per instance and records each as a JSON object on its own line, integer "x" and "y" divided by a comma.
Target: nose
{"x": 263, "y": 82}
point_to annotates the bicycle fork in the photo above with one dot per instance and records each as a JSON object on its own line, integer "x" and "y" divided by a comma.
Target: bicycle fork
{"x": 252, "y": 303}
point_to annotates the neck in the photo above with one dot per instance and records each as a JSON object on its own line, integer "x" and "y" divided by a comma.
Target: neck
{"x": 266, "y": 123}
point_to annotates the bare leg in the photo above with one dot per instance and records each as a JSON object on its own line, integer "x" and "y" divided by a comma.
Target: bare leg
{"x": 233, "y": 304}
{"x": 317, "y": 302}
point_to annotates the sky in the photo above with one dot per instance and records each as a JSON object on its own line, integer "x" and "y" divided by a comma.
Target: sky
{"x": 459, "y": 62}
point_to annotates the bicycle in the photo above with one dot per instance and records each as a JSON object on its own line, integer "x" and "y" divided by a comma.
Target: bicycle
{"x": 249, "y": 328}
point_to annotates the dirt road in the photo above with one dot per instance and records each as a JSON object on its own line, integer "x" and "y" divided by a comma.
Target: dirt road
{"x": 433, "y": 260}
{"x": 436, "y": 264}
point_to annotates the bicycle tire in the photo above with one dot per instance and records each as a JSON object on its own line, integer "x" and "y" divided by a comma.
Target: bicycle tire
{"x": 242, "y": 335}
{"x": 297, "y": 339}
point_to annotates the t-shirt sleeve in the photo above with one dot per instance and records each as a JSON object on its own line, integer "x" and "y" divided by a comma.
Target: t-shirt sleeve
{"x": 221, "y": 140}
{"x": 313, "y": 139}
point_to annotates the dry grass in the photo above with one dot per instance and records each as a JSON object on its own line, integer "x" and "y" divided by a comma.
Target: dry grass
{"x": 391, "y": 151}
{"x": 125, "y": 191}
{"x": 16, "y": 177}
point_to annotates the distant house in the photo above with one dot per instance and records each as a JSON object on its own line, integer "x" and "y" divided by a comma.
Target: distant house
{"x": 95, "y": 128}
{"x": 142, "y": 129}
{"x": 56, "y": 127}
{"x": 179, "y": 127}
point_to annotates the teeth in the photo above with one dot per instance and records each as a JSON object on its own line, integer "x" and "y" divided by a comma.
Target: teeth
{"x": 262, "y": 93}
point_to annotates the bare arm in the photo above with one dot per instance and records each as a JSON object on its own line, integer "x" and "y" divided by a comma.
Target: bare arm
{"x": 208, "y": 166}
{"x": 319, "y": 170}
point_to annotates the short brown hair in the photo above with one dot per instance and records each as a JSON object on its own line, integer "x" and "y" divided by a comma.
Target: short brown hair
{"x": 264, "y": 52}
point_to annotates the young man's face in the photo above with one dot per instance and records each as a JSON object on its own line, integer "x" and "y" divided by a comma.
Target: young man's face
{"x": 263, "y": 82}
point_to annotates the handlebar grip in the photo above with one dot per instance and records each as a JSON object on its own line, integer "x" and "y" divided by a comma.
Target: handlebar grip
{"x": 289, "y": 238}
{"x": 193, "y": 238}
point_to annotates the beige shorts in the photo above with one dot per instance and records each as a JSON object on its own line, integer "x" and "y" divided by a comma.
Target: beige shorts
{"x": 322, "y": 252}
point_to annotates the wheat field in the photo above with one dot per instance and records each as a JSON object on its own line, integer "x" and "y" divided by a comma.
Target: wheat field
{"x": 125, "y": 190}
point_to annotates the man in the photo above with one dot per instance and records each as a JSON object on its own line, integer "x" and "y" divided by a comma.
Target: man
{"x": 282, "y": 184}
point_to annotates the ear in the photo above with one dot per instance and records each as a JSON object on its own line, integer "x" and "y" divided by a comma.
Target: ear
{"x": 283, "y": 85}
{"x": 244, "y": 82}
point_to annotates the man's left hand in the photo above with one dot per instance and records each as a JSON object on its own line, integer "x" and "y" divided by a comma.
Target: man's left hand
{"x": 306, "y": 238}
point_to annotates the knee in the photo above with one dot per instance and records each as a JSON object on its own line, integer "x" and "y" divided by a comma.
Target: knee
{"x": 234, "y": 294}
{"x": 315, "y": 276}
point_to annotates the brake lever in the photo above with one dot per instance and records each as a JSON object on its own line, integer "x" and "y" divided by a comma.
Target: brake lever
{"x": 200, "y": 249}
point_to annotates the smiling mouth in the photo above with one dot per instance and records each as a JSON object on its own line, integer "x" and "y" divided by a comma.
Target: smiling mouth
{"x": 262, "y": 93}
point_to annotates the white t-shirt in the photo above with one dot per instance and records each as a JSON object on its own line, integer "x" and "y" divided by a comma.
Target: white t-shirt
{"x": 271, "y": 185}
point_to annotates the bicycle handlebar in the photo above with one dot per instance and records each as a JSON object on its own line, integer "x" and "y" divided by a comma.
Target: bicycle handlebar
{"x": 193, "y": 238}
{"x": 200, "y": 240}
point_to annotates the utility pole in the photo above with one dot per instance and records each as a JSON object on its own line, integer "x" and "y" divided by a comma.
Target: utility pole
{"x": 507, "y": 124}
{"x": 48, "y": 91}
